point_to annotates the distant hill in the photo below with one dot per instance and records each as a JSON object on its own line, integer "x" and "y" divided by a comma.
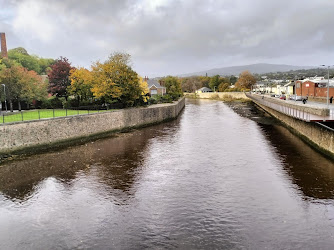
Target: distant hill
{"x": 259, "y": 68}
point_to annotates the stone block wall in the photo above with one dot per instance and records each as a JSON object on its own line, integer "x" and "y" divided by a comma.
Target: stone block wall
{"x": 42, "y": 132}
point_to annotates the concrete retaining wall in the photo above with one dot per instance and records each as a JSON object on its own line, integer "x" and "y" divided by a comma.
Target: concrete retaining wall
{"x": 47, "y": 131}
{"x": 314, "y": 134}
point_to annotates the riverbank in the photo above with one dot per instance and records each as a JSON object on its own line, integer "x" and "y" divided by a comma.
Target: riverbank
{"x": 33, "y": 136}
{"x": 223, "y": 96}
{"x": 319, "y": 137}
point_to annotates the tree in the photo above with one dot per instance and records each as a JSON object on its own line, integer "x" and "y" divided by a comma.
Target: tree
{"x": 173, "y": 86}
{"x": 223, "y": 86}
{"x": 191, "y": 84}
{"x": 10, "y": 78}
{"x": 246, "y": 80}
{"x": 34, "y": 88}
{"x": 22, "y": 85}
{"x": 45, "y": 65}
{"x": 19, "y": 50}
{"x": 233, "y": 79}
{"x": 81, "y": 84}
{"x": 205, "y": 80}
{"x": 144, "y": 90}
{"x": 59, "y": 77}
{"x": 214, "y": 82}
{"x": 115, "y": 81}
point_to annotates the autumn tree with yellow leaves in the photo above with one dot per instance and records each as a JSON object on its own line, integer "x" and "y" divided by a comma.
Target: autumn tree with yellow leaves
{"x": 115, "y": 81}
{"x": 246, "y": 80}
{"x": 81, "y": 84}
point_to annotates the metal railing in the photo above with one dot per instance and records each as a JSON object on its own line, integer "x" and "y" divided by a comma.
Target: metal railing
{"x": 289, "y": 111}
{"x": 295, "y": 113}
{"x": 38, "y": 114}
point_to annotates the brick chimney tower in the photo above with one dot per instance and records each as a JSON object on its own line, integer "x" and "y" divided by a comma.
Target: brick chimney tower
{"x": 4, "y": 53}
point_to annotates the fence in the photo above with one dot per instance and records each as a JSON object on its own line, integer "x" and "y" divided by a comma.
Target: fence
{"x": 30, "y": 115}
{"x": 295, "y": 113}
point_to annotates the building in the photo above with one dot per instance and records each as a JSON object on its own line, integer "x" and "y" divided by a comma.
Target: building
{"x": 154, "y": 87}
{"x": 315, "y": 87}
{"x": 290, "y": 88}
{"x": 264, "y": 87}
{"x": 204, "y": 90}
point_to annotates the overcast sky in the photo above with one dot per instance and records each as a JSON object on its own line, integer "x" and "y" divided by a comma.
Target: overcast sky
{"x": 173, "y": 36}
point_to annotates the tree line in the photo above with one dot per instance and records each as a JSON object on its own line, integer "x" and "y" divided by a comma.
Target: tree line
{"x": 110, "y": 82}
{"x": 219, "y": 83}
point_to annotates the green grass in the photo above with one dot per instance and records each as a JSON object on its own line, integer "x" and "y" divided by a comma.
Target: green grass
{"x": 42, "y": 114}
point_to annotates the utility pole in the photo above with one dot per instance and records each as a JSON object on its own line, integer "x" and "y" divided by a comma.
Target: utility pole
{"x": 327, "y": 84}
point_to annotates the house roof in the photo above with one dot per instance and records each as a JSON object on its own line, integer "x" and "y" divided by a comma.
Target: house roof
{"x": 152, "y": 82}
{"x": 204, "y": 89}
{"x": 289, "y": 84}
{"x": 319, "y": 80}
{"x": 263, "y": 83}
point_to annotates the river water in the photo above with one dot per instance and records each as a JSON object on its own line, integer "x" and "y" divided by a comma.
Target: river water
{"x": 218, "y": 177}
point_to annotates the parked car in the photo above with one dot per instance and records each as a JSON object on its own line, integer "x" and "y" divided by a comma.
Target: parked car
{"x": 283, "y": 97}
{"x": 277, "y": 96}
{"x": 296, "y": 98}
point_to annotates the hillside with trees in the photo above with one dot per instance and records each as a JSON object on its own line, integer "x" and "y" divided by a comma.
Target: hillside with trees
{"x": 298, "y": 74}
{"x": 258, "y": 68}
{"x": 30, "y": 62}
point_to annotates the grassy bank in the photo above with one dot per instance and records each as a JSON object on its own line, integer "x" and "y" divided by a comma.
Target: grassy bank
{"x": 42, "y": 114}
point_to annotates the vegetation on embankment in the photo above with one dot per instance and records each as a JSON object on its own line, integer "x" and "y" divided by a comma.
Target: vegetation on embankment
{"x": 222, "y": 96}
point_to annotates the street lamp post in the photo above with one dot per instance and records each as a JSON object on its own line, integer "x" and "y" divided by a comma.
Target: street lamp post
{"x": 327, "y": 84}
{"x": 4, "y": 90}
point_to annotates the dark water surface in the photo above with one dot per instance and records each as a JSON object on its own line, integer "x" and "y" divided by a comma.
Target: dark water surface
{"x": 214, "y": 178}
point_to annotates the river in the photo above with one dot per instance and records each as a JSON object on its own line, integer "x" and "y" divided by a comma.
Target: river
{"x": 218, "y": 177}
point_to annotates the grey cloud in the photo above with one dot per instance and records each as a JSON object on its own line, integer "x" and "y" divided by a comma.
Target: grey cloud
{"x": 178, "y": 36}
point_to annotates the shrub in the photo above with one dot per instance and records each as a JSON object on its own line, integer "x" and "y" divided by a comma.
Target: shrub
{"x": 52, "y": 103}
{"x": 214, "y": 96}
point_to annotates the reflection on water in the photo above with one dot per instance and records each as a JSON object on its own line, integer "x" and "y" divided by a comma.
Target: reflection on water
{"x": 222, "y": 177}
{"x": 116, "y": 162}
{"x": 313, "y": 174}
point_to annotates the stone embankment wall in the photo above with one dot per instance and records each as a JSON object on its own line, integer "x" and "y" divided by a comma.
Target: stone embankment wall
{"x": 317, "y": 136}
{"x": 37, "y": 133}
{"x": 218, "y": 95}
